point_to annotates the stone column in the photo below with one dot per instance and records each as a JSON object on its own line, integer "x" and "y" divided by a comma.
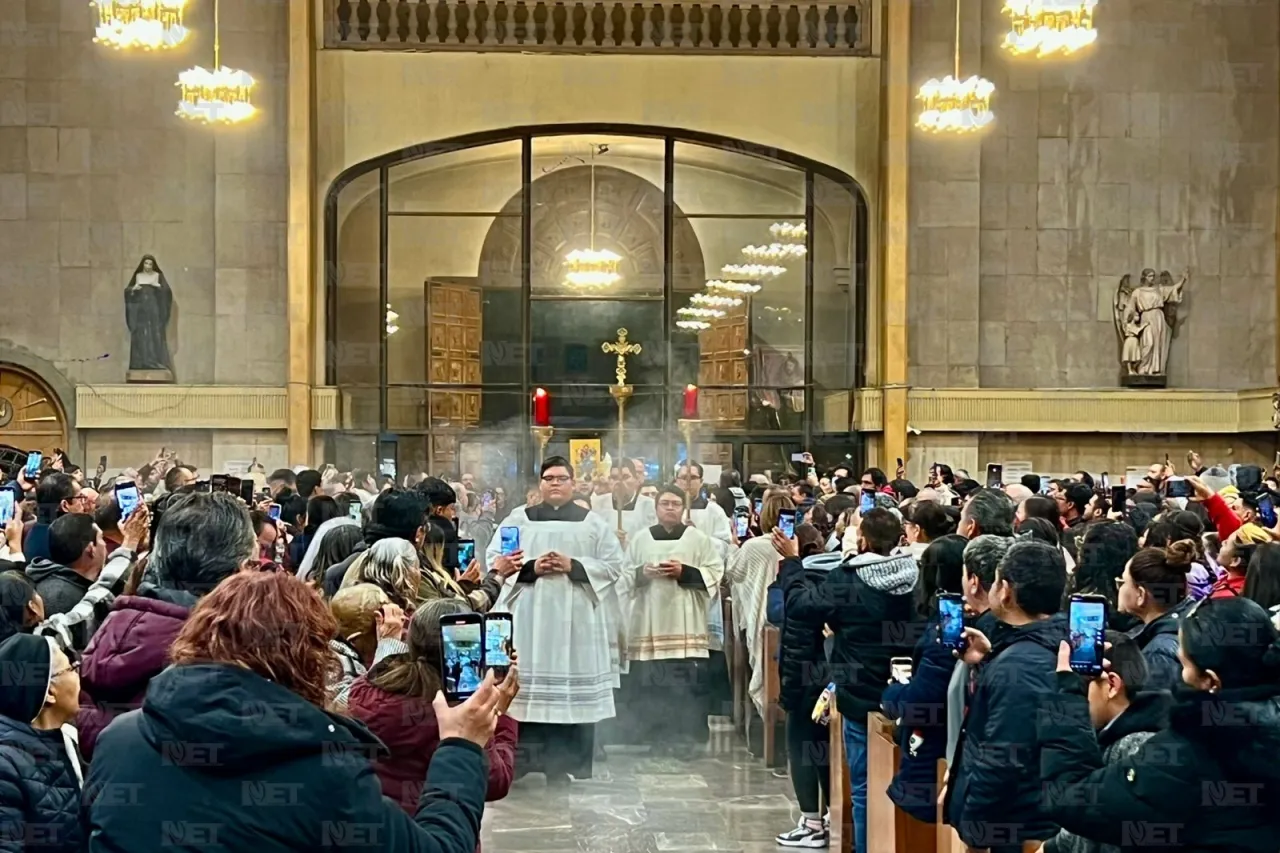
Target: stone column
{"x": 898, "y": 108}
{"x": 301, "y": 283}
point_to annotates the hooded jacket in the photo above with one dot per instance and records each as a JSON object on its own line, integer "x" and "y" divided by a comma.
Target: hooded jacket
{"x": 867, "y": 601}
{"x": 802, "y": 655}
{"x": 1158, "y": 640}
{"x": 129, "y": 649}
{"x": 1207, "y": 784}
{"x": 60, "y": 586}
{"x": 224, "y": 760}
{"x": 994, "y": 792}
{"x": 1120, "y": 740}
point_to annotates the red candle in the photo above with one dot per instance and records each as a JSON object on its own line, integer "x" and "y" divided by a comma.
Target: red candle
{"x": 691, "y": 402}
{"x": 541, "y": 407}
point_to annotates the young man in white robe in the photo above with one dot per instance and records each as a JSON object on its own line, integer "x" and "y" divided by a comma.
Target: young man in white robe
{"x": 637, "y": 513}
{"x": 566, "y": 567}
{"x": 674, "y": 567}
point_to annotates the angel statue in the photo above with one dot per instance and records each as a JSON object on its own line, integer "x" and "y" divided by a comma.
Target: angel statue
{"x": 1145, "y": 318}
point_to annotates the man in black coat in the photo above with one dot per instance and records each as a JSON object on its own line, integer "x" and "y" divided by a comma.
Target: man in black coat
{"x": 993, "y": 788}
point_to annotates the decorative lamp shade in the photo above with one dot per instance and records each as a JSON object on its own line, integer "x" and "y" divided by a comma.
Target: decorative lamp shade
{"x": 143, "y": 24}
{"x": 221, "y": 95}
{"x": 956, "y": 106}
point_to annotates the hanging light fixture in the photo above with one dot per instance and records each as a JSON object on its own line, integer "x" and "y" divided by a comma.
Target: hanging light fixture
{"x": 788, "y": 232}
{"x": 144, "y": 24}
{"x": 716, "y": 285}
{"x": 218, "y": 95}
{"x": 752, "y": 272}
{"x": 392, "y": 317}
{"x": 693, "y": 318}
{"x": 1047, "y": 27}
{"x": 713, "y": 300}
{"x": 774, "y": 252}
{"x": 952, "y": 105}
{"x": 592, "y": 269}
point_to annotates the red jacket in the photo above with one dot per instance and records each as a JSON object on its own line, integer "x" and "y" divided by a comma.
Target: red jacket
{"x": 1226, "y": 521}
{"x": 1228, "y": 586}
{"x": 407, "y": 726}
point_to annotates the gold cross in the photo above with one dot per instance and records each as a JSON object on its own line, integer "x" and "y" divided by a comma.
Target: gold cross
{"x": 622, "y": 349}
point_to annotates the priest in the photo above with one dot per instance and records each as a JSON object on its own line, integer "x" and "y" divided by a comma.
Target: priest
{"x": 709, "y": 517}
{"x": 636, "y": 511}
{"x": 674, "y": 569}
{"x": 568, "y": 562}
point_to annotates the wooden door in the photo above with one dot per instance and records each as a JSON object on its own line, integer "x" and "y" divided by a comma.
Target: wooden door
{"x": 722, "y": 361}
{"x": 31, "y": 416}
{"x": 453, "y": 354}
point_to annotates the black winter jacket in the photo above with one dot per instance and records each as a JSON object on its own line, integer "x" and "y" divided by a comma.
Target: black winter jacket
{"x": 39, "y": 791}
{"x": 1159, "y": 643}
{"x": 993, "y": 792}
{"x": 1207, "y": 784}
{"x": 802, "y": 656}
{"x": 220, "y": 759}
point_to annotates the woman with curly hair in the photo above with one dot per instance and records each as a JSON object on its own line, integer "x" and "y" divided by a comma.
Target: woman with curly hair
{"x": 233, "y": 748}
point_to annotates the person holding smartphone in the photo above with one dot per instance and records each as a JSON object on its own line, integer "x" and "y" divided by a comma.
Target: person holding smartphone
{"x": 1003, "y": 799}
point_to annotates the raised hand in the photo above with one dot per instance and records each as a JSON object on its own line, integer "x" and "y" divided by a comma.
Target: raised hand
{"x": 507, "y": 565}
{"x": 475, "y": 719}
{"x": 136, "y": 528}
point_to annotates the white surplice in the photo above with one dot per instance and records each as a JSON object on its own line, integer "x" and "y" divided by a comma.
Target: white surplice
{"x": 562, "y": 627}
{"x": 669, "y": 620}
{"x": 711, "y": 520}
{"x": 639, "y": 515}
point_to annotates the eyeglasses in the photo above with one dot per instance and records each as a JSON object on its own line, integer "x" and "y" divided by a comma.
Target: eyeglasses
{"x": 74, "y": 666}
{"x": 671, "y": 505}
{"x": 558, "y": 480}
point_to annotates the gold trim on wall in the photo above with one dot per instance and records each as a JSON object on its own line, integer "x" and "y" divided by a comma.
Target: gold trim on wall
{"x": 1070, "y": 410}
{"x": 196, "y": 407}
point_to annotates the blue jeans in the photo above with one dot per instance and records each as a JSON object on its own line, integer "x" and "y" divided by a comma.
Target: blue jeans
{"x": 855, "y": 750}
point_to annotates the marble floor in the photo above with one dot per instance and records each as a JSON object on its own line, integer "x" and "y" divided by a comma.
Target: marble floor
{"x": 724, "y": 802}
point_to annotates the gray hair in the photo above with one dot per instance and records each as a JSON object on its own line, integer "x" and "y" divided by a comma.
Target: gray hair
{"x": 1216, "y": 478}
{"x": 201, "y": 539}
{"x": 992, "y": 510}
{"x": 391, "y": 564}
{"x": 983, "y": 555}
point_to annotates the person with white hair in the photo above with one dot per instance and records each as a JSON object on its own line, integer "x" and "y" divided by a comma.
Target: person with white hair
{"x": 1017, "y": 492}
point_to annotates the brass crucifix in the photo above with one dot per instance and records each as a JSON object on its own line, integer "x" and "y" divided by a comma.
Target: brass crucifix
{"x": 622, "y": 349}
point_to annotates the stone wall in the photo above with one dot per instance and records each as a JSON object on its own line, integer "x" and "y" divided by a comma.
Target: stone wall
{"x": 95, "y": 170}
{"x": 1155, "y": 147}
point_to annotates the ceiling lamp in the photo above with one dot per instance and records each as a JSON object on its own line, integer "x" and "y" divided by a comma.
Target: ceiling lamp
{"x": 953, "y": 105}
{"x": 691, "y": 325}
{"x": 144, "y": 24}
{"x": 774, "y": 252}
{"x": 693, "y": 318}
{"x": 712, "y": 300}
{"x": 716, "y": 285}
{"x": 592, "y": 269}
{"x": 392, "y": 317}
{"x": 752, "y": 272}
{"x": 221, "y": 95}
{"x": 788, "y": 232}
{"x": 1046, "y": 27}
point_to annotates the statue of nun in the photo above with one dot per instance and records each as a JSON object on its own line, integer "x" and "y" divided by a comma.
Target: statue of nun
{"x": 148, "y": 302}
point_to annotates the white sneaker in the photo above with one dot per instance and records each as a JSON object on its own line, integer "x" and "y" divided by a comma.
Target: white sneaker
{"x": 803, "y": 836}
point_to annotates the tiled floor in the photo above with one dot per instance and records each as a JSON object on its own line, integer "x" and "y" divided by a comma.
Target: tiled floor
{"x": 726, "y": 802}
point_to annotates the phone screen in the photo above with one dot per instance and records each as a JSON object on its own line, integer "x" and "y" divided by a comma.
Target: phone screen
{"x": 246, "y": 491}
{"x": 497, "y": 642}
{"x": 797, "y": 457}
{"x": 1106, "y": 482}
{"x": 463, "y": 651}
{"x": 900, "y": 670}
{"x": 466, "y": 552}
{"x": 1177, "y": 487}
{"x": 1087, "y": 631}
{"x": 759, "y": 505}
{"x": 354, "y": 509}
{"x": 510, "y": 540}
{"x": 995, "y": 474}
{"x": 868, "y": 503}
{"x": 128, "y": 498}
{"x": 787, "y": 522}
{"x": 1044, "y": 484}
{"x": 1266, "y": 511}
{"x": 218, "y": 483}
{"x": 951, "y": 621}
{"x": 273, "y": 512}
{"x": 1119, "y": 498}
{"x": 34, "y": 458}
{"x": 6, "y": 505}
{"x": 743, "y": 521}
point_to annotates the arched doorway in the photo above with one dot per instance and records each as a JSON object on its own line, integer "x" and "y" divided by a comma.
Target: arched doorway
{"x": 31, "y": 415}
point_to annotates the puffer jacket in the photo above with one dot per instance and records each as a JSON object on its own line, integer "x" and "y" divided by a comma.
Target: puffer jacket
{"x": 802, "y": 655}
{"x": 39, "y": 790}
{"x": 1158, "y": 641}
{"x": 129, "y": 649}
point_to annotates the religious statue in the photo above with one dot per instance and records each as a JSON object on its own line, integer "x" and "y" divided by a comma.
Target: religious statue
{"x": 1146, "y": 318}
{"x": 148, "y": 304}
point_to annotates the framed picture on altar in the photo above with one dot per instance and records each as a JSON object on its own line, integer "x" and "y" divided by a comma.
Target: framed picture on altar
{"x": 585, "y": 455}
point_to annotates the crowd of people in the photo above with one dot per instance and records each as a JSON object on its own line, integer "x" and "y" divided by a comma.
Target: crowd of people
{"x": 175, "y": 674}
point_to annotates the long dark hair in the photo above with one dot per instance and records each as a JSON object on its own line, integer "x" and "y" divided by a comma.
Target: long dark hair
{"x": 941, "y": 570}
{"x": 320, "y": 509}
{"x": 16, "y": 594}
{"x": 417, "y": 672}
{"x": 338, "y": 544}
{"x": 1104, "y": 550}
{"x": 1262, "y": 581}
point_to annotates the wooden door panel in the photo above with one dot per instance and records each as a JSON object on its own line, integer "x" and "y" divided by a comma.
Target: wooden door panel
{"x": 456, "y": 333}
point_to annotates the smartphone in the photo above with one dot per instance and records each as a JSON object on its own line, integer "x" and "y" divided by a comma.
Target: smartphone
{"x": 354, "y": 509}
{"x": 273, "y": 512}
{"x": 1177, "y": 487}
{"x": 102, "y": 462}
{"x": 951, "y": 620}
{"x": 34, "y": 458}
{"x": 510, "y": 540}
{"x": 743, "y": 522}
{"x": 461, "y": 654}
{"x": 497, "y": 643}
{"x": 867, "y": 503}
{"x": 1106, "y": 482}
{"x": 1087, "y": 633}
{"x": 205, "y": 486}
{"x": 466, "y": 552}
{"x": 487, "y": 498}
{"x": 787, "y": 522}
{"x": 900, "y": 669}
{"x": 128, "y": 498}
{"x": 797, "y": 457}
{"x": 1266, "y": 510}
{"x": 218, "y": 483}
{"x": 1044, "y": 484}
{"x": 246, "y": 491}
{"x": 6, "y": 506}
{"x": 1119, "y": 499}
{"x": 233, "y": 485}
{"x": 759, "y": 505}
{"x": 995, "y": 475}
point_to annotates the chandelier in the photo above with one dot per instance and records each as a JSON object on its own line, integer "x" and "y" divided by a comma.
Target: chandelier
{"x": 774, "y": 252}
{"x": 145, "y": 24}
{"x": 752, "y": 272}
{"x": 218, "y": 95}
{"x": 1046, "y": 27}
{"x": 788, "y": 232}
{"x": 693, "y": 318}
{"x": 712, "y": 300}
{"x": 592, "y": 269}
{"x": 716, "y": 285}
{"x": 953, "y": 105}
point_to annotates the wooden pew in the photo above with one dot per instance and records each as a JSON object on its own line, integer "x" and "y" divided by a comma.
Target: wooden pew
{"x": 841, "y": 805}
{"x": 771, "y": 641}
{"x": 946, "y": 838}
{"x": 889, "y": 828}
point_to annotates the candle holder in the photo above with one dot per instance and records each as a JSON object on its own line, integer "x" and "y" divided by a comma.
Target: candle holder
{"x": 543, "y": 436}
{"x": 688, "y": 428}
